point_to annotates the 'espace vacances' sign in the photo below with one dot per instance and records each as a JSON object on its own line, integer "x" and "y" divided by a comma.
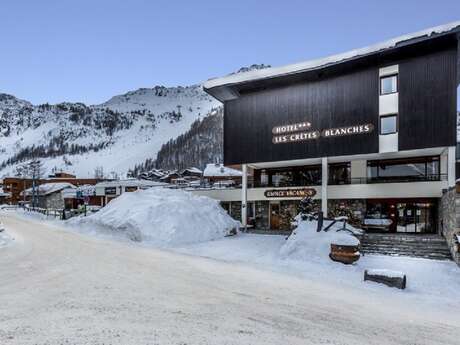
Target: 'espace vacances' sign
{"x": 302, "y": 132}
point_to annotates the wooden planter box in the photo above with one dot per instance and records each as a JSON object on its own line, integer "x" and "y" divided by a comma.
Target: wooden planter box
{"x": 344, "y": 253}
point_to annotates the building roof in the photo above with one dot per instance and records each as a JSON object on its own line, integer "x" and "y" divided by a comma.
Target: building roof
{"x": 85, "y": 190}
{"x": 219, "y": 87}
{"x": 219, "y": 170}
{"x": 49, "y": 188}
{"x": 192, "y": 170}
{"x": 130, "y": 183}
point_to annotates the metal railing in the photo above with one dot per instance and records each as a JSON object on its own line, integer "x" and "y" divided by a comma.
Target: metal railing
{"x": 392, "y": 179}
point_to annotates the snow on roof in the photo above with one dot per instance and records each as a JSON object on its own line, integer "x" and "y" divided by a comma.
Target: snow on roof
{"x": 49, "y": 188}
{"x": 214, "y": 170}
{"x": 86, "y": 190}
{"x": 318, "y": 63}
{"x": 130, "y": 183}
{"x": 192, "y": 170}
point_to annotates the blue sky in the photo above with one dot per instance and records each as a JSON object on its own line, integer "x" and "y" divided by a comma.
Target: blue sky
{"x": 54, "y": 51}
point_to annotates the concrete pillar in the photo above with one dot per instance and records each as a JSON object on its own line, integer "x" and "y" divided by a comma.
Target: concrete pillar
{"x": 324, "y": 180}
{"x": 451, "y": 159}
{"x": 244, "y": 196}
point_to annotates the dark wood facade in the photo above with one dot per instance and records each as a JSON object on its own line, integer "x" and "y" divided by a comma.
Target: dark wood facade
{"x": 346, "y": 95}
{"x": 350, "y": 99}
{"x": 428, "y": 100}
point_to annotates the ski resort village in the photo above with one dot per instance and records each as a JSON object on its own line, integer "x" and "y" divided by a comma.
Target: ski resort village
{"x": 312, "y": 203}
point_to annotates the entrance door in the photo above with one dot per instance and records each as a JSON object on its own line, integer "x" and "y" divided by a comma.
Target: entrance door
{"x": 416, "y": 217}
{"x": 274, "y": 216}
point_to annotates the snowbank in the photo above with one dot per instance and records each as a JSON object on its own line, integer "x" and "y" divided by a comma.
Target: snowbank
{"x": 305, "y": 243}
{"x": 160, "y": 216}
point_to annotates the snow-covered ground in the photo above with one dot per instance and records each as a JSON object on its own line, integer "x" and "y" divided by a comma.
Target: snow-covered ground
{"x": 59, "y": 287}
{"x": 429, "y": 282}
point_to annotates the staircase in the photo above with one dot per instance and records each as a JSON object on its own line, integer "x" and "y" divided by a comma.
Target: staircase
{"x": 427, "y": 246}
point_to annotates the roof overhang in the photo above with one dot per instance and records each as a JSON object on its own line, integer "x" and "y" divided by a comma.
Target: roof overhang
{"x": 229, "y": 87}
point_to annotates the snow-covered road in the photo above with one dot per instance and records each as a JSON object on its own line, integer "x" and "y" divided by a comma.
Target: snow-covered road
{"x": 59, "y": 287}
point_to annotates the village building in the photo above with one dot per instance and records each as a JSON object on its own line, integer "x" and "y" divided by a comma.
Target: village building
{"x": 49, "y": 195}
{"x": 370, "y": 134}
{"x": 217, "y": 173}
{"x": 109, "y": 190}
{"x": 154, "y": 174}
{"x": 81, "y": 195}
{"x": 192, "y": 172}
{"x": 168, "y": 177}
{"x": 15, "y": 185}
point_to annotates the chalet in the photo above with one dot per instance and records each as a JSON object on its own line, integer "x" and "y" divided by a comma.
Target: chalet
{"x": 15, "y": 185}
{"x": 216, "y": 172}
{"x": 191, "y": 172}
{"x": 49, "y": 195}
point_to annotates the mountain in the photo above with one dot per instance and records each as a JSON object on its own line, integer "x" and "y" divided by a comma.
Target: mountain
{"x": 116, "y": 135}
{"x": 201, "y": 144}
{"x": 126, "y": 131}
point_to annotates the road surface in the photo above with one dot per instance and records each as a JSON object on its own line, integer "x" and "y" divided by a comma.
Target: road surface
{"x": 59, "y": 287}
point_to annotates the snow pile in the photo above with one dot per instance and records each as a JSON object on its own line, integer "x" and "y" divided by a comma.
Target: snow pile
{"x": 305, "y": 243}
{"x": 160, "y": 216}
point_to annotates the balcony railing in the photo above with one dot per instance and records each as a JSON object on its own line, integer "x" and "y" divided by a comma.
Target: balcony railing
{"x": 392, "y": 179}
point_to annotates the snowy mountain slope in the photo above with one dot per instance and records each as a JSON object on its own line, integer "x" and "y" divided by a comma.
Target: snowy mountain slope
{"x": 115, "y": 135}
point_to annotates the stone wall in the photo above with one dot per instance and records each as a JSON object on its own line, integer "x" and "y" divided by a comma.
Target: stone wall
{"x": 261, "y": 217}
{"x": 235, "y": 210}
{"x": 448, "y": 221}
{"x": 51, "y": 201}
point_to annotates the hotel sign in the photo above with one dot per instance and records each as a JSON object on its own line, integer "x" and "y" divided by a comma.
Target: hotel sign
{"x": 290, "y": 193}
{"x": 301, "y": 132}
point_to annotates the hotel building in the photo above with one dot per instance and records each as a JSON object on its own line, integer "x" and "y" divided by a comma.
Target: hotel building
{"x": 370, "y": 133}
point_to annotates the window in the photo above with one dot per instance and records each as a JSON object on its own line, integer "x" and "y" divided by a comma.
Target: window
{"x": 388, "y": 124}
{"x": 404, "y": 170}
{"x": 388, "y": 84}
{"x": 289, "y": 176}
{"x": 340, "y": 173}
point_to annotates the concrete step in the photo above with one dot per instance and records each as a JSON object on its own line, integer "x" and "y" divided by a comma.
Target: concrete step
{"x": 428, "y": 246}
{"x": 398, "y": 254}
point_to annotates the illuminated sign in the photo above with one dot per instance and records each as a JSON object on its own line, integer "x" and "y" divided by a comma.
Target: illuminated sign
{"x": 290, "y": 193}
{"x": 297, "y": 132}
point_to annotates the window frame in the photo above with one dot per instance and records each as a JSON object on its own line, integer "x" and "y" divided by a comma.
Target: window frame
{"x": 388, "y": 76}
{"x": 396, "y": 127}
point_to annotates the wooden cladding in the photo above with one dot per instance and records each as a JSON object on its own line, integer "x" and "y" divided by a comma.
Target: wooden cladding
{"x": 427, "y": 101}
{"x": 336, "y": 102}
{"x": 427, "y": 83}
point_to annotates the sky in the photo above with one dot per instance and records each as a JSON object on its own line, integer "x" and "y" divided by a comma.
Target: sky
{"x": 88, "y": 51}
